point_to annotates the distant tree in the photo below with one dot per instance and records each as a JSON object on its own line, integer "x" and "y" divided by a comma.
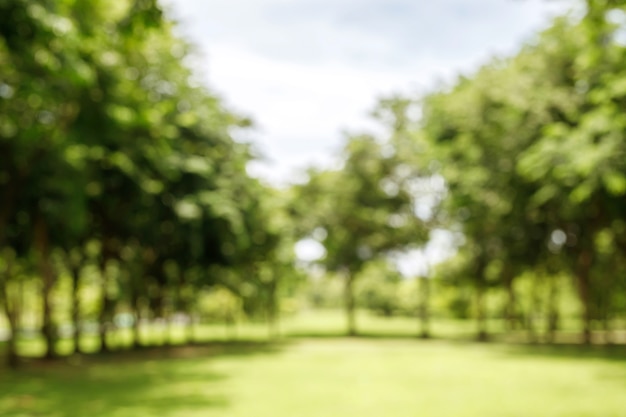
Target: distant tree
{"x": 529, "y": 148}
{"x": 109, "y": 153}
{"x": 363, "y": 211}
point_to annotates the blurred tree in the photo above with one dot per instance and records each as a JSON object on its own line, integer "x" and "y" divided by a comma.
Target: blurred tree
{"x": 108, "y": 149}
{"x": 378, "y": 288}
{"x": 531, "y": 153}
{"x": 360, "y": 212}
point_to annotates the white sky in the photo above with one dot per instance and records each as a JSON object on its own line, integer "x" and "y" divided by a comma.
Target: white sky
{"x": 306, "y": 70}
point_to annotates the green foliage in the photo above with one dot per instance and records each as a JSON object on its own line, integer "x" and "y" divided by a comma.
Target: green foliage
{"x": 323, "y": 292}
{"x": 220, "y": 305}
{"x": 113, "y": 158}
{"x": 365, "y": 210}
{"x": 378, "y": 289}
{"x": 531, "y": 149}
{"x": 124, "y": 193}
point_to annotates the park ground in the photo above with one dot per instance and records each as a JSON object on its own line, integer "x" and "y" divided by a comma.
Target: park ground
{"x": 323, "y": 374}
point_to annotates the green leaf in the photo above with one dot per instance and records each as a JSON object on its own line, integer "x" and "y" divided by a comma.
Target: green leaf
{"x": 615, "y": 182}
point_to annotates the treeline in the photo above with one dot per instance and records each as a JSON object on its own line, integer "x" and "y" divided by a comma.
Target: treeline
{"x": 124, "y": 193}
{"x": 533, "y": 150}
{"x": 119, "y": 176}
{"x": 524, "y": 161}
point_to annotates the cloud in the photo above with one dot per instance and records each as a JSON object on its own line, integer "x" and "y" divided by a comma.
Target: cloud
{"x": 301, "y": 109}
{"x": 376, "y": 32}
{"x": 306, "y": 69}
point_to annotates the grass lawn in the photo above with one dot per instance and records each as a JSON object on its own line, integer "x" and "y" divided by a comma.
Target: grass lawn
{"x": 325, "y": 378}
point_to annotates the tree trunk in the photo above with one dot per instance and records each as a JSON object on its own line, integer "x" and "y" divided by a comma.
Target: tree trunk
{"x": 349, "y": 303}
{"x": 608, "y": 330}
{"x": 424, "y": 304}
{"x": 164, "y": 315}
{"x": 134, "y": 303}
{"x": 105, "y": 304}
{"x": 606, "y": 304}
{"x": 272, "y": 310}
{"x": 188, "y": 307}
{"x": 47, "y": 276}
{"x": 583, "y": 275}
{"x": 9, "y": 201}
{"x": 511, "y": 313}
{"x": 75, "y": 272}
{"x": 183, "y": 304}
{"x": 11, "y": 347}
{"x": 11, "y": 311}
{"x": 168, "y": 340}
{"x": 7, "y": 209}
{"x": 191, "y": 327}
{"x": 481, "y": 314}
{"x": 13, "y": 360}
{"x": 534, "y": 312}
{"x": 553, "y": 310}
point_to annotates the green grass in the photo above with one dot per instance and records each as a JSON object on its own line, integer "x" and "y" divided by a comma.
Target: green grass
{"x": 327, "y": 377}
{"x": 387, "y": 372}
{"x": 315, "y": 323}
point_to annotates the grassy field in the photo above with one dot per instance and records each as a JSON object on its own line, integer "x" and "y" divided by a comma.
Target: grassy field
{"x": 318, "y": 323}
{"x": 324, "y": 377}
{"x": 317, "y": 372}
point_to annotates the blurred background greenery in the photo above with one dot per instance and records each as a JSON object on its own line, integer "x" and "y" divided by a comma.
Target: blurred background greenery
{"x": 129, "y": 225}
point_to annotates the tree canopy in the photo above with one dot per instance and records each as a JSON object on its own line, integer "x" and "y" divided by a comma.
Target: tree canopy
{"x": 123, "y": 188}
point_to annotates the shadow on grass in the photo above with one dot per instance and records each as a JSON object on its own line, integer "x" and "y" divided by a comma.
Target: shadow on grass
{"x": 152, "y": 381}
{"x": 502, "y": 342}
{"x": 239, "y": 347}
{"x": 374, "y": 335}
{"x": 616, "y": 353}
